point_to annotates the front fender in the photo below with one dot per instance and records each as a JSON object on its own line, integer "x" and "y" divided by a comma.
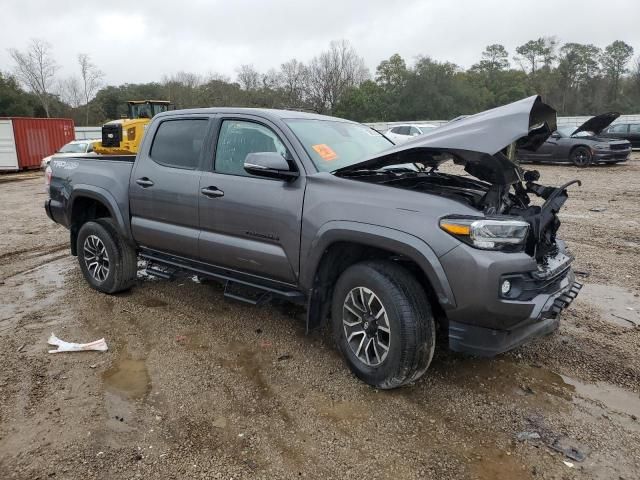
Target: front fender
{"x": 377, "y": 236}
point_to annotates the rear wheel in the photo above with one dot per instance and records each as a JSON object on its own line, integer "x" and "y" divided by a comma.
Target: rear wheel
{"x": 581, "y": 157}
{"x": 382, "y": 324}
{"x": 108, "y": 263}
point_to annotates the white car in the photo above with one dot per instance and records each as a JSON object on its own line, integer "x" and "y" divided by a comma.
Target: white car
{"x": 77, "y": 147}
{"x": 402, "y": 133}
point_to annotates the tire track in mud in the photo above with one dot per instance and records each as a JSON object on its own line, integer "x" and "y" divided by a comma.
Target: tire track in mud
{"x": 42, "y": 250}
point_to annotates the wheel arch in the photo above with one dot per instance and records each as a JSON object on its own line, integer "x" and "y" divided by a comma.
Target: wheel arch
{"x": 340, "y": 244}
{"x": 88, "y": 202}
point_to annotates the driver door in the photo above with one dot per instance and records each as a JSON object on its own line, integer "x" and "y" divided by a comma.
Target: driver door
{"x": 248, "y": 223}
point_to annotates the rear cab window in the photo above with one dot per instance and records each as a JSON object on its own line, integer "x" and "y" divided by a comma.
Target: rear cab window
{"x": 178, "y": 143}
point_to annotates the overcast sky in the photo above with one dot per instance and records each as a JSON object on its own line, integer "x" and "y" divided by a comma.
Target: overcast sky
{"x": 140, "y": 41}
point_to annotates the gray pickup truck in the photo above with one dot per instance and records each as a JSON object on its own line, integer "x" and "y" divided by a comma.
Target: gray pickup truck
{"x": 373, "y": 238}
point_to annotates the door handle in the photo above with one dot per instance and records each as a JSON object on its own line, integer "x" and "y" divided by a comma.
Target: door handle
{"x": 144, "y": 182}
{"x": 212, "y": 192}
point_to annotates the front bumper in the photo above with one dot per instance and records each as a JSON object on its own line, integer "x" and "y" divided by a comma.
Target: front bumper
{"x": 486, "y": 322}
{"x": 488, "y": 342}
{"x": 611, "y": 155}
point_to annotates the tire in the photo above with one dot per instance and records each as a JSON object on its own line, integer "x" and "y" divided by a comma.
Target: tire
{"x": 99, "y": 243}
{"x": 407, "y": 316}
{"x": 581, "y": 157}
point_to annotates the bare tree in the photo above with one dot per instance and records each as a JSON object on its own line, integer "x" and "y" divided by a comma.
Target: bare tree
{"x": 248, "y": 77}
{"x": 183, "y": 88}
{"x": 333, "y": 72}
{"x": 36, "y": 69}
{"x": 294, "y": 77}
{"x": 91, "y": 81}
{"x": 71, "y": 91}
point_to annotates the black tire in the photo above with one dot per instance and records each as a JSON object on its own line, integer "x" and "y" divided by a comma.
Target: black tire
{"x": 411, "y": 340}
{"x": 581, "y": 157}
{"x": 121, "y": 258}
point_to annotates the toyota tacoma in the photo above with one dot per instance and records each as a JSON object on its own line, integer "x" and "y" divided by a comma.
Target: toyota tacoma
{"x": 376, "y": 240}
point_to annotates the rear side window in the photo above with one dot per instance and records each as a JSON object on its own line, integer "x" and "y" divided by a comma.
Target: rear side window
{"x": 178, "y": 143}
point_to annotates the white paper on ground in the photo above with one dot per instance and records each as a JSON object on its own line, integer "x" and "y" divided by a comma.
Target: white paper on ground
{"x": 98, "y": 345}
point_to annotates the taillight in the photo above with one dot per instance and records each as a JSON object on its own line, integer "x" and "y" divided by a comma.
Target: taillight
{"x": 47, "y": 178}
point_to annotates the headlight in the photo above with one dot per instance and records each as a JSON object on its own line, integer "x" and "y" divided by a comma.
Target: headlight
{"x": 488, "y": 234}
{"x": 602, "y": 146}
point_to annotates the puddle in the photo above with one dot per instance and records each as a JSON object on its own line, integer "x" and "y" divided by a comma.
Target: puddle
{"x": 128, "y": 378}
{"x": 614, "y": 303}
{"x": 612, "y": 397}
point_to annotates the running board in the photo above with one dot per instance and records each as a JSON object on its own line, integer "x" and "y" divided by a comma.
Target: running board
{"x": 245, "y": 294}
{"x": 230, "y": 278}
{"x": 159, "y": 273}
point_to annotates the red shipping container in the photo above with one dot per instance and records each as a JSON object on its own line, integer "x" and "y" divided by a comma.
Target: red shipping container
{"x": 33, "y": 139}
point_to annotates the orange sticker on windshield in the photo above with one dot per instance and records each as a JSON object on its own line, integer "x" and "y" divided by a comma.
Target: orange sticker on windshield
{"x": 325, "y": 152}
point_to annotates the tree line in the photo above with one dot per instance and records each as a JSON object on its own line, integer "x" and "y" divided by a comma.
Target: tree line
{"x": 577, "y": 79}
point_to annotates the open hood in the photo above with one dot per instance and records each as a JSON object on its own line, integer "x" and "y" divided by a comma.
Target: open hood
{"x": 478, "y": 141}
{"x": 598, "y": 123}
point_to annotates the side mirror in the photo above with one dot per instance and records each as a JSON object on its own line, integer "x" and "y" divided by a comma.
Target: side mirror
{"x": 415, "y": 134}
{"x": 555, "y": 135}
{"x": 270, "y": 165}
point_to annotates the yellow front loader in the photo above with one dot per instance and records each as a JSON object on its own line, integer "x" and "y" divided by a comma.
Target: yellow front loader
{"x": 123, "y": 137}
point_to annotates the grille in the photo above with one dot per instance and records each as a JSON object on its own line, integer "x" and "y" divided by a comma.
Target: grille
{"x": 619, "y": 146}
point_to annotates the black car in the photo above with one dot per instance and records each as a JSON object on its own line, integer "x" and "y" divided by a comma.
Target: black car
{"x": 624, "y": 131}
{"x": 582, "y": 146}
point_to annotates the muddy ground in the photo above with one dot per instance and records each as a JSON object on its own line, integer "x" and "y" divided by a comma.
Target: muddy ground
{"x": 196, "y": 386}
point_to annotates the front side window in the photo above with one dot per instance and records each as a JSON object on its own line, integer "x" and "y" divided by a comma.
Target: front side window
{"x": 178, "y": 143}
{"x": 239, "y": 138}
{"x": 620, "y": 128}
{"x": 334, "y": 144}
{"x": 634, "y": 128}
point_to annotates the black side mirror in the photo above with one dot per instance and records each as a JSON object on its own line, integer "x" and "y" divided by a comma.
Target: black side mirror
{"x": 270, "y": 165}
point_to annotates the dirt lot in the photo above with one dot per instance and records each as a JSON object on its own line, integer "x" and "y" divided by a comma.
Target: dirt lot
{"x": 195, "y": 386}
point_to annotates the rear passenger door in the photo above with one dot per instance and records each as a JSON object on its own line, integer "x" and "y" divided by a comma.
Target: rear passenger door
{"x": 164, "y": 188}
{"x": 252, "y": 224}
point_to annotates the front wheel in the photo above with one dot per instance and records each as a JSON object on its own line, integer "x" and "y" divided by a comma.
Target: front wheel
{"x": 108, "y": 263}
{"x": 581, "y": 157}
{"x": 383, "y": 324}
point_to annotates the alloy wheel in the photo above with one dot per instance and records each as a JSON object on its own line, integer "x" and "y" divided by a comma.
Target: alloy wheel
{"x": 96, "y": 258}
{"x": 366, "y": 326}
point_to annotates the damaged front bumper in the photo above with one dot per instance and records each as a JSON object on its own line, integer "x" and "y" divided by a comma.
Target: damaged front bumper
{"x": 487, "y": 322}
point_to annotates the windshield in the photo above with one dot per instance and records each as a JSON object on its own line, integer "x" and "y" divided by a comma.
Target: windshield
{"x": 333, "y": 145}
{"x": 73, "y": 148}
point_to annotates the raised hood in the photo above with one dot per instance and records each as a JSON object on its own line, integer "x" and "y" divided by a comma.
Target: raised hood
{"x": 598, "y": 123}
{"x": 478, "y": 141}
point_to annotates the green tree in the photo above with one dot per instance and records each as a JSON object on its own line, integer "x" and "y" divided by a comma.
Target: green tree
{"x": 392, "y": 74}
{"x": 614, "y": 64}
{"x": 535, "y": 53}
{"x": 494, "y": 58}
{"x": 13, "y": 100}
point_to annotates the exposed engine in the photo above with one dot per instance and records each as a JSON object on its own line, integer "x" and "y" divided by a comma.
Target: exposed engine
{"x": 492, "y": 199}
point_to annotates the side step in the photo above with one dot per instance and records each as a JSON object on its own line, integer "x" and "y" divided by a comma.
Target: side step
{"x": 239, "y": 286}
{"x": 242, "y": 293}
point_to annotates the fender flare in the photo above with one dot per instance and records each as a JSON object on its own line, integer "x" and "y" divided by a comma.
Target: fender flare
{"x": 106, "y": 198}
{"x": 386, "y": 238}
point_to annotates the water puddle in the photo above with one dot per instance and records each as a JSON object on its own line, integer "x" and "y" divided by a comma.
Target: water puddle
{"x": 617, "y": 304}
{"x": 612, "y": 397}
{"x": 128, "y": 378}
